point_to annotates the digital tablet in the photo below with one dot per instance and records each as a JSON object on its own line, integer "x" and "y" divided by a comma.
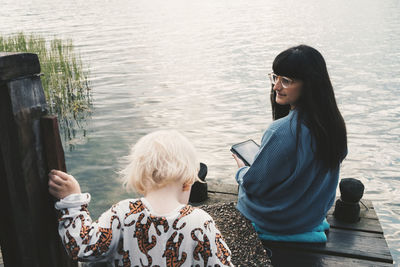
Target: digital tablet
{"x": 246, "y": 151}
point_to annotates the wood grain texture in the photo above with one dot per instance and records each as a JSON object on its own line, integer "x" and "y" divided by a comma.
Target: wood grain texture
{"x": 17, "y": 65}
{"x": 343, "y": 243}
{"x": 54, "y": 151}
{"x": 365, "y": 225}
{"x": 31, "y": 236}
{"x": 298, "y": 258}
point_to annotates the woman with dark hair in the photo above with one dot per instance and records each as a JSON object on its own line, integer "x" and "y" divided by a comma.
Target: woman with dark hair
{"x": 291, "y": 185}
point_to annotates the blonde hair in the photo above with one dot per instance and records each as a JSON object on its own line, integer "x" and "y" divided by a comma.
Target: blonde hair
{"x": 158, "y": 159}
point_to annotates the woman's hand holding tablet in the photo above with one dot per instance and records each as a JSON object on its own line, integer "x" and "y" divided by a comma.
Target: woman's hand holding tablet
{"x": 246, "y": 151}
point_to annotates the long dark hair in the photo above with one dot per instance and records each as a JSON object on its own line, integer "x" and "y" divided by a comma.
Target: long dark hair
{"x": 316, "y": 105}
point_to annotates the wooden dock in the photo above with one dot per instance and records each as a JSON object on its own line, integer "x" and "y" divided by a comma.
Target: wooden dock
{"x": 355, "y": 244}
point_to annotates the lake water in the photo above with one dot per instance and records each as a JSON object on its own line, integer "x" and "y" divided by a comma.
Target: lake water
{"x": 201, "y": 67}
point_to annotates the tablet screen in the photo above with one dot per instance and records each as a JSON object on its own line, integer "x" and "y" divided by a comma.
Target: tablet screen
{"x": 246, "y": 150}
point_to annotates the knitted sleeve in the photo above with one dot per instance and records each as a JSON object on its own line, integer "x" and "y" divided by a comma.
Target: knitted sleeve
{"x": 274, "y": 163}
{"x": 82, "y": 238}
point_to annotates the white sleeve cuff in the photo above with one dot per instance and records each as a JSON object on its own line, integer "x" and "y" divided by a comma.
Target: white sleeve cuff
{"x": 73, "y": 200}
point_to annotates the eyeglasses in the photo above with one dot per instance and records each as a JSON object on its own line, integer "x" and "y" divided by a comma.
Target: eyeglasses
{"x": 285, "y": 81}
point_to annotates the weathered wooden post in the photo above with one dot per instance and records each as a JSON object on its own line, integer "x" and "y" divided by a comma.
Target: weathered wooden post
{"x": 28, "y": 221}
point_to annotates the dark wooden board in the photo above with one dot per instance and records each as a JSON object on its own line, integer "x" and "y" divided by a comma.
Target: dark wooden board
{"x": 17, "y": 65}
{"x": 54, "y": 151}
{"x": 216, "y": 187}
{"x": 214, "y": 198}
{"x": 343, "y": 243}
{"x": 289, "y": 258}
{"x": 31, "y": 238}
{"x": 17, "y": 239}
{"x": 365, "y": 224}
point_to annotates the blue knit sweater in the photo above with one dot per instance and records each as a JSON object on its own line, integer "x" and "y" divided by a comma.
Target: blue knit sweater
{"x": 286, "y": 190}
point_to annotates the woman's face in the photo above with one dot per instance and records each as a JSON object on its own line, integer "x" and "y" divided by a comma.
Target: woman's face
{"x": 289, "y": 95}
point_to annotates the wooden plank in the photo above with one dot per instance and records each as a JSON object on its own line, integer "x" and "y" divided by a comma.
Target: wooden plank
{"x": 7, "y": 221}
{"x": 288, "y": 258}
{"x": 54, "y": 151}
{"x": 365, "y": 245}
{"x": 55, "y": 159}
{"x": 216, "y": 187}
{"x": 31, "y": 236}
{"x": 17, "y": 242}
{"x": 214, "y": 198}
{"x": 365, "y": 224}
{"x": 343, "y": 243}
{"x": 16, "y": 65}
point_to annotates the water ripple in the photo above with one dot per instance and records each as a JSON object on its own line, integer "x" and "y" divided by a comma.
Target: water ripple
{"x": 200, "y": 67}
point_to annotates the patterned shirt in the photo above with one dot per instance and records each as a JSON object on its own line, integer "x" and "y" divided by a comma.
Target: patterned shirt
{"x": 130, "y": 234}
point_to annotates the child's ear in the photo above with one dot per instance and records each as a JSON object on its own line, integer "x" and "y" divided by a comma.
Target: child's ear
{"x": 186, "y": 187}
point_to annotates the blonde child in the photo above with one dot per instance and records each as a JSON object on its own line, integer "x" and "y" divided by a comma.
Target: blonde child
{"x": 159, "y": 229}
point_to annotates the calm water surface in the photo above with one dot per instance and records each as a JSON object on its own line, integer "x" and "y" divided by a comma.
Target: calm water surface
{"x": 200, "y": 67}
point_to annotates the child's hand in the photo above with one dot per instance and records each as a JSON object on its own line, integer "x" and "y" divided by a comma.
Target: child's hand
{"x": 239, "y": 162}
{"x": 62, "y": 184}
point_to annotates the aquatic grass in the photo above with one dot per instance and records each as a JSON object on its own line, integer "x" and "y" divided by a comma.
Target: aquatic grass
{"x": 65, "y": 80}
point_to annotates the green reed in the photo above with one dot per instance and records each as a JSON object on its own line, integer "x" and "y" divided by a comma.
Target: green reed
{"x": 65, "y": 80}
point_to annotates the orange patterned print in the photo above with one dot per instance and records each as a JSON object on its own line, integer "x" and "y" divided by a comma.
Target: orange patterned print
{"x": 142, "y": 235}
{"x": 222, "y": 252}
{"x": 103, "y": 243}
{"x": 85, "y": 209}
{"x": 71, "y": 246}
{"x": 207, "y": 224}
{"x": 171, "y": 252}
{"x": 84, "y": 232}
{"x": 128, "y": 234}
{"x": 134, "y": 208}
{"x": 184, "y": 212}
{"x": 66, "y": 221}
{"x": 203, "y": 248}
{"x": 159, "y": 221}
